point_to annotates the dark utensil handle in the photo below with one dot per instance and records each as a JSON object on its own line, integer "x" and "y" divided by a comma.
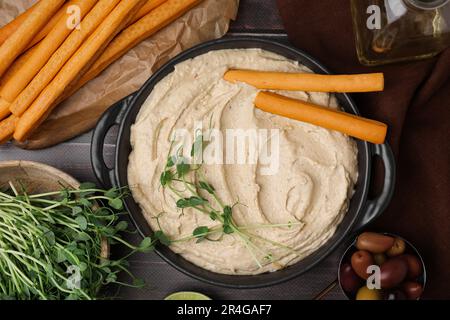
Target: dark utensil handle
{"x": 327, "y": 290}
{"x": 375, "y": 207}
{"x": 113, "y": 116}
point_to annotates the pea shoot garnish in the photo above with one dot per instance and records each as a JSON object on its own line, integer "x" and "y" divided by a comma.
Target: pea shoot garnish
{"x": 192, "y": 190}
{"x": 52, "y": 245}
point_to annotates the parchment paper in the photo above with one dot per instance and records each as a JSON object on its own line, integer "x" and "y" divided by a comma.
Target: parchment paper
{"x": 209, "y": 20}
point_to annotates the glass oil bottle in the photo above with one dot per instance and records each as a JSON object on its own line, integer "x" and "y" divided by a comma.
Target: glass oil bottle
{"x": 389, "y": 31}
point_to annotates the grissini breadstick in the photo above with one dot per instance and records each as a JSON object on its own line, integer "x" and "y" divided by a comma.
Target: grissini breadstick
{"x": 44, "y": 50}
{"x": 7, "y": 127}
{"x": 154, "y": 21}
{"x": 50, "y": 25}
{"x": 134, "y": 34}
{"x": 9, "y": 74}
{"x": 4, "y": 109}
{"x": 308, "y": 81}
{"x": 352, "y": 125}
{"x": 12, "y": 70}
{"x": 7, "y": 30}
{"x": 4, "y": 34}
{"x": 146, "y": 8}
{"x": 89, "y": 24}
{"x": 17, "y": 22}
{"x": 18, "y": 41}
{"x": 76, "y": 65}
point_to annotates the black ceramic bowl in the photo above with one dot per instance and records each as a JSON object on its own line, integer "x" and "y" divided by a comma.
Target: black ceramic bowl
{"x": 361, "y": 211}
{"x": 409, "y": 249}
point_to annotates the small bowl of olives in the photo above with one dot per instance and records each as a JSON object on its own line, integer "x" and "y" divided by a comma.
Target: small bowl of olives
{"x": 381, "y": 266}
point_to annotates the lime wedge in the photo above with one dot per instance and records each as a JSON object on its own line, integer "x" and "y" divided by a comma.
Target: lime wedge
{"x": 187, "y": 296}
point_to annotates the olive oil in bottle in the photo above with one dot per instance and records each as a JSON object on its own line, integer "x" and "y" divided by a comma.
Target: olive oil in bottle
{"x": 389, "y": 31}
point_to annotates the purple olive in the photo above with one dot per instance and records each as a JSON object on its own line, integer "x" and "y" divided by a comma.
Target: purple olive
{"x": 350, "y": 282}
{"x": 413, "y": 290}
{"x": 393, "y": 272}
{"x": 414, "y": 265}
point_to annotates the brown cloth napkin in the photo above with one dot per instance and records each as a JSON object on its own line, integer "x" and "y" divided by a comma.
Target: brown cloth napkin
{"x": 416, "y": 105}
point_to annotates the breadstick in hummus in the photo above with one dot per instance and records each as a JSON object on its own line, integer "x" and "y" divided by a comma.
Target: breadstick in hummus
{"x": 352, "y": 125}
{"x": 308, "y": 81}
{"x": 89, "y": 24}
{"x": 76, "y": 65}
{"x": 44, "y": 50}
{"x": 19, "y": 40}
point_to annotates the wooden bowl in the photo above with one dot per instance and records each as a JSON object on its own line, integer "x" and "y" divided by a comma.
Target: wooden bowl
{"x": 36, "y": 177}
{"x": 39, "y": 178}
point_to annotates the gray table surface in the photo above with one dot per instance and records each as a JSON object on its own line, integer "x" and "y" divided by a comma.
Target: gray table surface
{"x": 257, "y": 18}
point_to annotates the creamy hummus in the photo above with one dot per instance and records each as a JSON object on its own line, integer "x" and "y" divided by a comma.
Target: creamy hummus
{"x": 288, "y": 215}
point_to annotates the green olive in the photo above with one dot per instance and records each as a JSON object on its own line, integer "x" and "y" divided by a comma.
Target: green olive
{"x": 379, "y": 258}
{"x": 397, "y": 248}
{"x": 365, "y": 293}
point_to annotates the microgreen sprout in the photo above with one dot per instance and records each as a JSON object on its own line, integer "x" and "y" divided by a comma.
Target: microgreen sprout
{"x": 194, "y": 195}
{"x": 52, "y": 245}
